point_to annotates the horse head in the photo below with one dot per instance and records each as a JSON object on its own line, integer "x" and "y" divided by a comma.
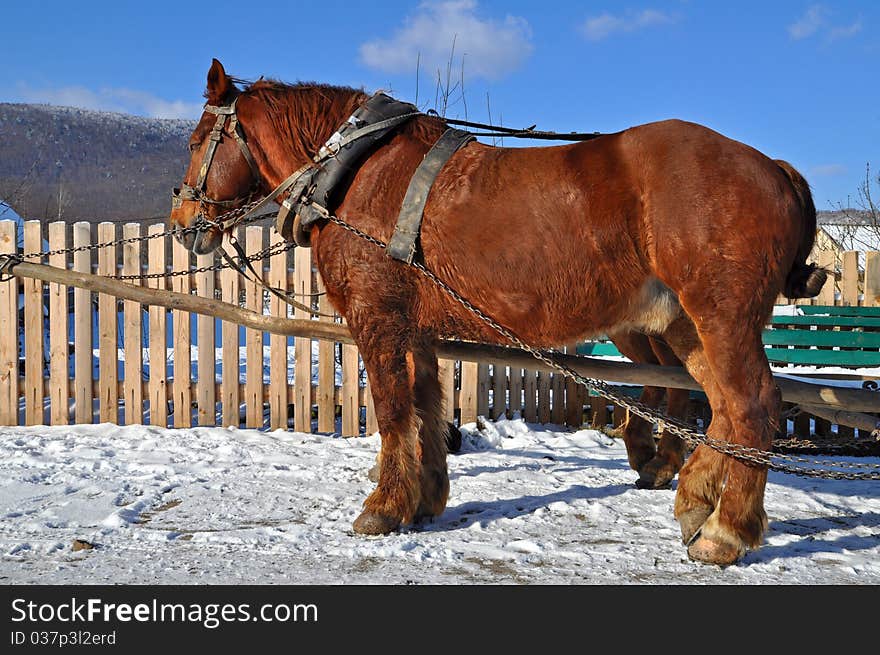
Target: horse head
{"x": 247, "y": 143}
{"x": 222, "y": 174}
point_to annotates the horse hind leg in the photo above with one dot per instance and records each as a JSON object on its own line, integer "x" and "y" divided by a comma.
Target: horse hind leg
{"x": 637, "y": 432}
{"x": 667, "y": 462}
{"x": 748, "y": 399}
{"x": 699, "y": 483}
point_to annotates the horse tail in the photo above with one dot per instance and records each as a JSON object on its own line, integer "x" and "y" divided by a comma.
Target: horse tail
{"x": 803, "y": 280}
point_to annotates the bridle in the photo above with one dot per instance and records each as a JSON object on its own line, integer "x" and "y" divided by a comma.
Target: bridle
{"x": 197, "y": 192}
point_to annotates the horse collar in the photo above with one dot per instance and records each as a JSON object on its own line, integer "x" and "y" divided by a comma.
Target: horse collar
{"x": 318, "y": 188}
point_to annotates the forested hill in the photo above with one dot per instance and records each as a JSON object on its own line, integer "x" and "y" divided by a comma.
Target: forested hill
{"x": 79, "y": 164}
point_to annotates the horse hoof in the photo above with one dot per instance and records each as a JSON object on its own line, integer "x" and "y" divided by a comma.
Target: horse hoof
{"x": 713, "y": 552}
{"x": 656, "y": 474}
{"x": 453, "y": 438}
{"x": 373, "y": 473}
{"x": 691, "y": 522}
{"x": 371, "y": 523}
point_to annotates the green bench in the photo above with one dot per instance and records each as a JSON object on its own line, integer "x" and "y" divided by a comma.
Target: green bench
{"x": 826, "y": 335}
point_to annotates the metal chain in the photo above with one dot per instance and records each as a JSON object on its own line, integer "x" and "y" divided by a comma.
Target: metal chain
{"x": 754, "y": 456}
{"x": 204, "y": 227}
{"x": 265, "y": 253}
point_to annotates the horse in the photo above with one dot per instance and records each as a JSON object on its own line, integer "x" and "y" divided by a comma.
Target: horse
{"x": 667, "y": 229}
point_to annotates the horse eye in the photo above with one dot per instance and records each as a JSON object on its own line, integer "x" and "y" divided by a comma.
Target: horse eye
{"x": 193, "y": 147}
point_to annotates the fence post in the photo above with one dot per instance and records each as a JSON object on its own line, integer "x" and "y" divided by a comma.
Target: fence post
{"x": 133, "y": 372}
{"x": 82, "y": 328}
{"x": 158, "y": 386}
{"x": 181, "y": 384}
{"x": 33, "y": 332}
{"x": 108, "y": 352}
{"x": 59, "y": 351}
{"x": 9, "y": 327}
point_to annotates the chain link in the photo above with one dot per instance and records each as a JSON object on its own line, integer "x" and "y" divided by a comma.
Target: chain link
{"x": 207, "y": 225}
{"x": 690, "y": 435}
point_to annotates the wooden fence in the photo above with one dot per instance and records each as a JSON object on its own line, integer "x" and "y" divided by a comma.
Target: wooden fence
{"x": 71, "y": 355}
{"x": 83, "y": 357}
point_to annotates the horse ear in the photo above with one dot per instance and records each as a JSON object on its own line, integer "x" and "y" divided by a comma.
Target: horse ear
{"x": 219, "y": 84}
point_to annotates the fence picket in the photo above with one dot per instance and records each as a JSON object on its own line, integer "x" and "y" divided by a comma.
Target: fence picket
{"x": 278, "y": 342}
{"x": 206, "y": 387}
{"x": 872, "y": 279}
{"x": 133, "y": 372}
{"x": 59, "y": 350}
{"x": 181, "y": 383}
{"x": 499, "y": 391}
{"x": 9, "y": 331}
{"x": 158, "y": 384}
{"x": 254, "y": 338}
{"x": 302, "y": 372}
{"x": 468, "y": 392}
{"x": 530, "y": 391}
{"x": 108, "y": 357}
{"x": 350, "y": 400}
{"x": 229, "y": 389}
{"x": 446, "y": 375}
{"x": 82, "y": 328}
{"x": 33, "y": 332}
{"x": 326, "y": 392}
{"x": 849, "y": 278}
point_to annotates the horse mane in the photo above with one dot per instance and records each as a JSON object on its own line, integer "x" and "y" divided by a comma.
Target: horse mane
{"x": 305, "y": 114}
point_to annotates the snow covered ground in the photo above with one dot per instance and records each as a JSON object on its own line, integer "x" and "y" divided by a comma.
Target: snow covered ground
{"x": 529, "y": 504}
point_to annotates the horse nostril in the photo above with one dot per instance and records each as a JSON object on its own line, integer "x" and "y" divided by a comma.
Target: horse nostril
{"x": 185, "y": 237}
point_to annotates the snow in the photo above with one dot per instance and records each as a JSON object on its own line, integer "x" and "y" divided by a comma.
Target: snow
{"x": 528, "y": 504}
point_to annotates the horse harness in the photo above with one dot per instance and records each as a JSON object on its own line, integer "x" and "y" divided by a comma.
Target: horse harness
{"x": 315, "y": 189}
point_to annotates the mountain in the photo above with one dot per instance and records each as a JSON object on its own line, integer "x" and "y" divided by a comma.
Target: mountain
{"x": 98, "y": 166}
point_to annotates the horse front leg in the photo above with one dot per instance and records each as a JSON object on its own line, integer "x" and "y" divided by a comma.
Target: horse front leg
{"x": 391, "y": 369}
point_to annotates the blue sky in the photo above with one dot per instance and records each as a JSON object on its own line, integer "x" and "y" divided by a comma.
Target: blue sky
{"x": 796, "y": 79}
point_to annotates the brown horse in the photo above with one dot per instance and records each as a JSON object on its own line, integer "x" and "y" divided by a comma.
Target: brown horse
{"x": 667, "y": 228}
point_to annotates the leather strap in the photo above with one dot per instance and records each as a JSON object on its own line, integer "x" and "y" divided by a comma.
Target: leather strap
{"x": 402, "y": 245}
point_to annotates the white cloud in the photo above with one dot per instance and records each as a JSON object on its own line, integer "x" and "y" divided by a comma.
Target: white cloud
{"x": 491, "y": 48}
{"x": 828, "y": 170}
{"x": 602, "y": 26}
{"x": 817, "y": 20}
{"x": 845, "y": 32}
{"x": 810, "y": 23}
{"x": 129, "y": 101}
